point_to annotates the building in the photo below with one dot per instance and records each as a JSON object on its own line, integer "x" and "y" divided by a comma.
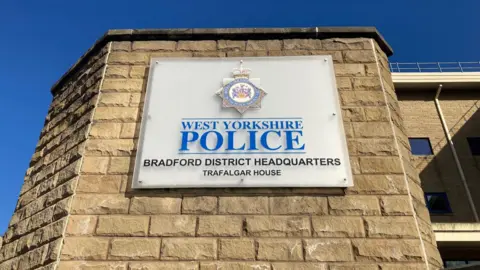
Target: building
{"x": 79, "y": 207}
{"x": 439, "y": 105}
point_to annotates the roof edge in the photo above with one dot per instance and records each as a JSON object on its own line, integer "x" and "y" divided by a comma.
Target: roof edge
{"x": 225, "y": 33}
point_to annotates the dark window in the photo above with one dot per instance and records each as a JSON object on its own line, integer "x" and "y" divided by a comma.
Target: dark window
{"x": 474, "y": 143}
{"x": 459, "y": 263}
{"x": 420, "y": 146}
{"x": 438, "y": 202}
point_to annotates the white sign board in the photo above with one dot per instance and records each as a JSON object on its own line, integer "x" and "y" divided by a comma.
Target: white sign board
{"x": 266, "y": 122}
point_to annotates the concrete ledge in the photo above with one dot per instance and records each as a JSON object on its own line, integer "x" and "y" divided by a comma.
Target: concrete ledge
{"x": 457, "y": 232}
{"x": 426, "y": 80}
{"x": 227, "y": 33}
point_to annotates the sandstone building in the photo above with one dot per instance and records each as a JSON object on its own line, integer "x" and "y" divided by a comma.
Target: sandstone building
{"x": 77, "y": 210}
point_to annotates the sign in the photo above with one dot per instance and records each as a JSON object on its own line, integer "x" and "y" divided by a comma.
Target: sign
{"x": 250, "y": 122}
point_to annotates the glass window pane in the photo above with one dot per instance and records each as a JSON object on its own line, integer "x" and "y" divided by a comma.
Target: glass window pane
{"x": 474, "y": 144}
{"x": 437, "y": 202}
{"x": 420, "y": 146}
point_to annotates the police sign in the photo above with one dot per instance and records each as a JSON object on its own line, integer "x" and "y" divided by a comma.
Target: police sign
{"x": 251, "y": 122}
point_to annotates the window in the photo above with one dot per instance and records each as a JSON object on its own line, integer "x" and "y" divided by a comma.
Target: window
{"x": 459, "y": 263}
{"x": 474, "y": 144}
{"x": 420, "y": 146}
{"x": 438, "y": 203}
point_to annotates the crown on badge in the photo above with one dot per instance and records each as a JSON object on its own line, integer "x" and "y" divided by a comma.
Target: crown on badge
{"x": 241, "y": 72}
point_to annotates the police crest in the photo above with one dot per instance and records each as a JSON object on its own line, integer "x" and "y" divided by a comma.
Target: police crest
{"x": 241, "y": 92}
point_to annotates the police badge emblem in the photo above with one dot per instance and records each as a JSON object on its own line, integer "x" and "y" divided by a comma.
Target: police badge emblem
{"x": 240, "y": 92}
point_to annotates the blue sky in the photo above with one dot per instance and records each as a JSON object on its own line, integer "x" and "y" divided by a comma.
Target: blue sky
{"x": 40, "y": 40}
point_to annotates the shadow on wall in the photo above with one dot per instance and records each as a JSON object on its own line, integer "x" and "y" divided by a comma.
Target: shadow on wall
{"x": 438, "y": 172}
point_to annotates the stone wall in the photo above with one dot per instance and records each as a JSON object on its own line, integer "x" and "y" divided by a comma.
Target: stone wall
{"x": 34, "y": 236}
{"x": 380, "y": 223}
{"x": 438, "y": 171}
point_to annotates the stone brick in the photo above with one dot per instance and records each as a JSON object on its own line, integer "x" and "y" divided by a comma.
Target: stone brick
{"x": 299, "y": 205}
{"x": 247, "y": 53}
{"x": 123, "y": 225}
{"x": 123, "y": 85}
{"x": 105, "y": 130}
{"x": 136, "y": 99}
{"x": 10, "y": 264}
{"x": 329, "y": 226}
{"x": 49, "y": 233}
{"x": 116, "y": 114}
{"x": 120, "y": 165}
{"x": 349, "y": 70}
{"x": 32, "y": 259}
{"x": 154, "y": 45}
{"x": 189, "y": 249}
{"x": 391, "y": 227}
{"x": 130, "y": 130}
{"x": 403, "y": 266}
{"x": 277, "y": 226}
{"x": 135, "y": 249}
{"x": 120, "y": 72}
{"x": 125, "y": 46}
{"x": 209, "y": 54}
{"x": 95, "y": 165}
{"x": 299, "y": 266}
{"x": 328, "y": 250}
{"x": 375, "y": 147}
{"x": 396, "y": 205}
{"x": 346, "y": 44}
{"x": 353, "y": 266}
{"x": 183, "y": 54}
{"x": 163, "y": 266}
{"x": 367, "y": 84}
{"x": 344, "y": 83}
{"x": 173, "y": 225}
{"x": 280, "y": 250}
{"x": 84, "y": 265}
{"x": 155, "y": 205}
{"x": 355, "y": 114}
{"x": 387, "y": 250}
{"x": 354, "y": 205}
{"x": 26, "y": 198}
{"x": 41, "y": 219}
{"x": 264, "y": 45}
{"x": 114, "y": 99}
{"x": 235, "y": 265}
{"x": 199, "y": 205}
{"x": 378, "y": 184}
{"x": 95, "y": 204}
{"x": 219, "y": 226}
{"x": 116, "y": 147}
{"x": 380, "y": 165}
{"x": 376, "y": 114}
{"x": 122, "y": 58}
{"x": 19, "y": 229}
{"x": 8, "y": 250}
{"x": 236, "y": 249}
{"x": 362, "y": 98}
{"x": 100, "y": 183}
{"x": 371, "y": 69}
{"x": 53, "y": 251}
{"x": 25, "y": 243}
{"x": 360, "y": 56}
{"x": 86, "y": 248}
{"x": 302, "y": 44}
{"x": 372, "y": 130}
{"x": 138, "y": 72}
{"x": 243, "y": 205}
{"x": 231, "y": 45}
{"x": 81, "y": 225}
{"x": 201, "y": 45}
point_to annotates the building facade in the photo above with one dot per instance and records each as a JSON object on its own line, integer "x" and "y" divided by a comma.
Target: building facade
{"x": 77, "y": 208}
